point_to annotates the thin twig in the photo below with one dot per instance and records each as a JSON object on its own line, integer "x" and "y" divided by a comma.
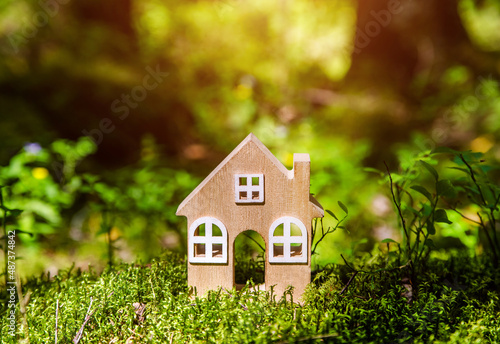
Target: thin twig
{"x": 492, "y": 219}
{"x": 460, "y": 213}
{"x": 313, "y": 229}
{"x": 87, "y": 318}
{"x": 346, "y": 263}
{"x": 348, "y": 283}
{"x": 474, "y": 179}
{"x": 399, "y": 210}
{"x": 57, "y": 314}
{"x": 483, "y": 225}
{"x": 324, "y": 234}
{"x": 493, "y": 222}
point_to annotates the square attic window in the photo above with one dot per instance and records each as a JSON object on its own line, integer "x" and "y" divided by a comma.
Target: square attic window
{"x": 249, "y": 188}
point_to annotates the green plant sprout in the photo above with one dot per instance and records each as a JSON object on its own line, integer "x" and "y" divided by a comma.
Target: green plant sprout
{"x": 330, "y": 230}
{"x": 480, "y": 191}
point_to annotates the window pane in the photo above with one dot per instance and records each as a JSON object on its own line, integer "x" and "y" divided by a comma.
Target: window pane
{"x": 295, "y": 230}
{"x": 243, "y": 180}
{"x": 278, "y": 231}
{"x": 277, "y": 250}
{"x": 243, "y": 195}
{"x": 255, "y": 194}
{"x": 295, "y": 250}
{"x": 216, "y": 231}
{"x": 216, "y": 250}
{"x": 255, "y": 180}
{"x": 200, "y": 231}
{"x": 199, "y": 250}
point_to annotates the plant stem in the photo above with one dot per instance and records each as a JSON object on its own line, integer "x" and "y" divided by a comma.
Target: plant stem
{"x": 474, "y": 179}
{"x": 491, "y": 217}
{"x": 489, "y": 238}
{"x": 493, "y": 227}
{"x": 324, "y": 234}
{"x": 107, "y": 226}
{"x": 408, "y": 246}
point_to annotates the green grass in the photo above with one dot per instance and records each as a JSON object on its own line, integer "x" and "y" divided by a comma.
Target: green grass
{"x": 456, "y": 301}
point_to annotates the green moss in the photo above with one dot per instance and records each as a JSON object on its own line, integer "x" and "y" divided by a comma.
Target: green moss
{"x": 457, "y": 301}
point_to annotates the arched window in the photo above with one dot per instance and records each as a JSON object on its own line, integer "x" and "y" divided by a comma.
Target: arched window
{"x": 207, "y": 241}
{"x": 288, "y": 241}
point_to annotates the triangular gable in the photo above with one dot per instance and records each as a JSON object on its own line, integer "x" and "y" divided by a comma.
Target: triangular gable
{"x": 250, "y": 138}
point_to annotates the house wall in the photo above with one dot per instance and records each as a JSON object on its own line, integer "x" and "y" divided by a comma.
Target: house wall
{"x": 283, "y": 196}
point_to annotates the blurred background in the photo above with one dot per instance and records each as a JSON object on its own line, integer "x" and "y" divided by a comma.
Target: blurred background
{"x": 112, "y": 111}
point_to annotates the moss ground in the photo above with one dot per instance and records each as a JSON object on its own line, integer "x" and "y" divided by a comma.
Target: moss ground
{"x": 456, "y": 301}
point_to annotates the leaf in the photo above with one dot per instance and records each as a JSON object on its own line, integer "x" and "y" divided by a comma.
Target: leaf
{"x": 487, "y": 168}
{"x": 441, "y": 216}
{"x": 445, "y": 188}
{"x": 440, "y": 150}
{"x": 431, "y": 169}
{"x": 90, "y": 178}
{"x": 396, "y": 177}
{"x": 331, "y": 214}
{"x": 103, "y": 230}
{"x": 344, "y": 208}
{"x": 426, "y": 209}
{"x": 43, "y": 209}
{"x": 413, "y": 210}
{"x": 373, "y": 170}
{"x": 429, "y": 243}
{"x": 472, "y": 189}
{"x": 472, "y": 157}
{"x": 85, "y": 146}
{"x": 423, "y": 191}
{"x": 15, "y": 212}
{"x": 360, "y": 242}
{"x": 466, "y": 171}
{"x": 489, "y": 196}
{"x": 430, "y": 228}
{"x": 388, "y": 240}
{"x": 18, "y": 231}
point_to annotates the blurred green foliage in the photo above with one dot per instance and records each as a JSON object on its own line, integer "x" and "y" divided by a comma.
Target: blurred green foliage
{"x": 163, "y": 90}
{"x": 64, "y": 210}
{"x": 291, "y": 72}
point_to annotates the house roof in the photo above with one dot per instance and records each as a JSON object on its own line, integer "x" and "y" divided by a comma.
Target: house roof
{"x": 250, "y": 138}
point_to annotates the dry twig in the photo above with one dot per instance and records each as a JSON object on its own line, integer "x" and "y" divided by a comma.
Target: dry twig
{"x": 87, "y": 318}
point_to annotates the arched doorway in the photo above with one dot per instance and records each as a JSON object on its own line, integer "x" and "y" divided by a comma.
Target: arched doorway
{"x": 249, "y": 259}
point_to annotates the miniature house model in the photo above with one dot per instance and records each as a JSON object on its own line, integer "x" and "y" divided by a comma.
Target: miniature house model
{"x": 251, "y": 190}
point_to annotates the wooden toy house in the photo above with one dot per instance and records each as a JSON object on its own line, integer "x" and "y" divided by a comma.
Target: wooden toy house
{"x": 251, "y": 190}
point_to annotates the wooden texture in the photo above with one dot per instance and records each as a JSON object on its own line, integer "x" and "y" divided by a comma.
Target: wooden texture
{"x": 286, "y": 195}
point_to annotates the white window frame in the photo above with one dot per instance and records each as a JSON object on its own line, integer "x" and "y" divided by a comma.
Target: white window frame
{"x": 287, "y": 240}
{"x": 249, "y": 188}
{"x": 208, "y": 240}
